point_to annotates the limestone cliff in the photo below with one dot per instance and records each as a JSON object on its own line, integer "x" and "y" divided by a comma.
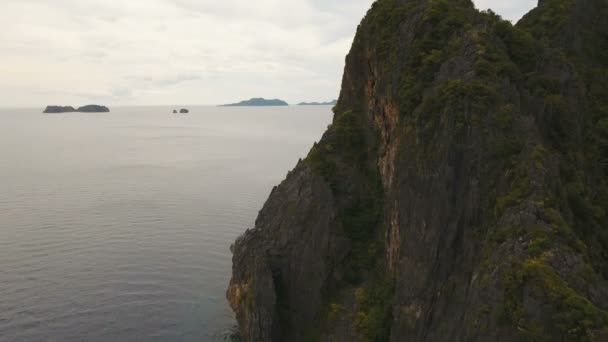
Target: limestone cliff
{"x": 461, "y": 193}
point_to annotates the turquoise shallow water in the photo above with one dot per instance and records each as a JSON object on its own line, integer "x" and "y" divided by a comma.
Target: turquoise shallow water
{"x": 117, "y": 227}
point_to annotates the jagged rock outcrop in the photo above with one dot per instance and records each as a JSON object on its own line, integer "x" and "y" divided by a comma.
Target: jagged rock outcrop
{"x": 461, "y": 193}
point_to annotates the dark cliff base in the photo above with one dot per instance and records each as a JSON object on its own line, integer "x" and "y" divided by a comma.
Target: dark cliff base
{"x": 461, "y": 193}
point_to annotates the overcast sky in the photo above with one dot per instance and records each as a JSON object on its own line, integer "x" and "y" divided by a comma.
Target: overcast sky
{"x": 152, "y": 52}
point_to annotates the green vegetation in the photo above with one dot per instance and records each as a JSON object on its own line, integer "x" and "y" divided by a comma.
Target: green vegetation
{"x": 360, "y": 222}
{"x": 547, "y": 21}
{"x": 521, "y": 46}
{"x": 382, "y": 21}
{"x": 511, "y": 86}
{"x": 558, "y": 117}
{"x": 520, "y": 189}
{"x": 335, "y": 311}
{"x": 478, "y": 94}
{"x": 345, "y": 144}
{"x": 319, "y": 162}
{"x": 543, "y": 85}
{"x": 575, "y": 316}
{"x": 512, "y": 309}
{"x": 539, "y": 155}
{"x": 539, "y": 243}
{"x": 374, "y": 310}
{"x": 441, "y": 21}
{"x": 346, "y": 136}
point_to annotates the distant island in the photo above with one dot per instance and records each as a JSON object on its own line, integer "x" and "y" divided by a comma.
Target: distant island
{"x": 330, "y": 103}
{"x": 70, "y": 109}
{"x": 181, "y": 111}
{"x": 258, "y": 102}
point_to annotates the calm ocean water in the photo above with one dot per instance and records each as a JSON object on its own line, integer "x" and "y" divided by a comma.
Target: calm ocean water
{"x": 117, "y": 227}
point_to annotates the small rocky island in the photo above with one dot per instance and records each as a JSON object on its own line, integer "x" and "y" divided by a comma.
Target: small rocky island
{"x": 181, "y": 111}
{"x": 70, "y": 109}
{"x": 258, "y": 102}
{"x": 330, "y": 103}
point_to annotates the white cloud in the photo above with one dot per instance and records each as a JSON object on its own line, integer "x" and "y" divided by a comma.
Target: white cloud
{"x": 510, "y": 9}
{"x": 178, "y": 51}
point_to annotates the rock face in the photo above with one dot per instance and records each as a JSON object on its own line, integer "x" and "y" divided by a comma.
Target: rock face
{"x": 70, "y": 109}
{"x": 258, "y": 102}
{"x": 461, "y": 193}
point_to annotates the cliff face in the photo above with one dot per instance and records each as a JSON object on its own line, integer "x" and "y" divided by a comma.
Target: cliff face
{"x": 461, "y": 193}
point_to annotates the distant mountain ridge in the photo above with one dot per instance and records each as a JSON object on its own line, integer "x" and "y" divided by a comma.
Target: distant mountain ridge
{"x": 258, "y": 102}
{"x": 330, "y": 103}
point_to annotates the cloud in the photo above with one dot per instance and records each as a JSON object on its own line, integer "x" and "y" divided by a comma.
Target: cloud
{"x": 179, "y": 51}
{"x": 511, "y": 10}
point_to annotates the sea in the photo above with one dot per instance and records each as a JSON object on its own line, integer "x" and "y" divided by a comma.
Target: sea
{"x": 117, "y": 226}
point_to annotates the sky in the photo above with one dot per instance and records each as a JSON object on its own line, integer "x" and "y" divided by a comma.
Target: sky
{"x": 170, "y": 52}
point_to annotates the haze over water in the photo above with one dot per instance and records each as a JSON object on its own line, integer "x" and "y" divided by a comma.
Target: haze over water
{"x": 117, "y": 227}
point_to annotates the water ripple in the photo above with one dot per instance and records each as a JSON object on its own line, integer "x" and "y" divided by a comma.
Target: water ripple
{"x": 118, "y": 227}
